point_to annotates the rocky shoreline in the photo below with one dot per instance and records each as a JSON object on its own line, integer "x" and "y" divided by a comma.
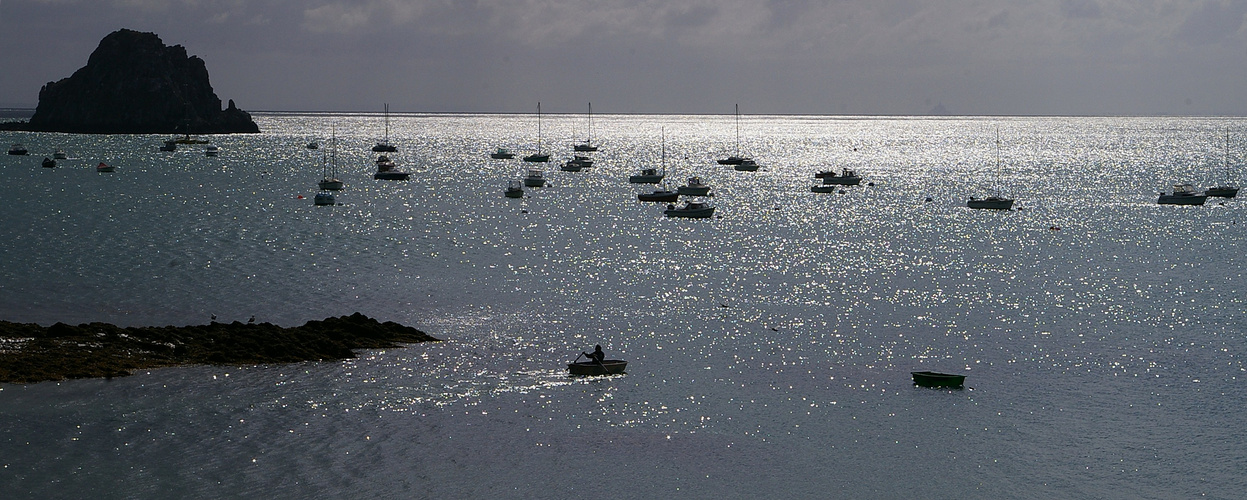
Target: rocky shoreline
{"x": 32, "y": 353}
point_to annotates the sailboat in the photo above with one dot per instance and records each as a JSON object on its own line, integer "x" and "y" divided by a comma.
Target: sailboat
{"x": 538, "y": 157}
{"x": 330, "y": 182}
{"x": 385, "y": 146}
{"x": 1226, "y": 190}
{"x": 736, "y": 159}
{"x": 587, "y": 146}
{"x": 993, "y": 202}
{"x": 651, "y": 175}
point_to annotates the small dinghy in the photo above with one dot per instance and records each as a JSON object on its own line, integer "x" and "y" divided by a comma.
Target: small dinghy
{"x": 936, "y": 379}
{"x": 606, "y": 367}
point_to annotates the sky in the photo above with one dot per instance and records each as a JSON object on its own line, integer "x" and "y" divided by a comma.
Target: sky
{"x": 861, "y": 57}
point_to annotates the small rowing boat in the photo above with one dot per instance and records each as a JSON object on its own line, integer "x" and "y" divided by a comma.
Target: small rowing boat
{"x": 936, "y": 379}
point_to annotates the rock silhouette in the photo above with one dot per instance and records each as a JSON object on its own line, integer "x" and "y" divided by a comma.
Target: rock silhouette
{"x": 134, "y": 84}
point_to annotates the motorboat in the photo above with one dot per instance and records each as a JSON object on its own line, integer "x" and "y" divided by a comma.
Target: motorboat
{"x": 170, "y": 146}
{"x": 502, "y": 154}
{"x": 690, "y": 209}
{"x": 538, "y": 157}
{"x": 1222, "y": 191}
{"x": 48, "y": 162}
{"x": 746, "y": 165}
{"x": 1183, "y": 194}
{"x": 576, "y": 164}
{"x": 324, "y": 198}
{"x": 535, "y": 178}
{"x": 60, "y": 155}
{"x": 384, "y": 146}
{"x": 387, "y": 171}
{"x": 515, "y": 189}
{"x": 826, "y": 187}
{"x": 591, "y": 368}
{"x": 587, "y": 146}
{"x": 732, "y": 160}
{"x": 936, "y": 379}
{"x": 647, "y": 176}
{"x": 313, "y": 145}
{"x": 212, "y": 150}
{"x": 104, "y": 168}
{"x": 659, "y": 195}
{"x": 847, "y": 177}
{"x": 694, "y": 188}
{"x": 990, "y": 202}
{"x": 18, "y": 149}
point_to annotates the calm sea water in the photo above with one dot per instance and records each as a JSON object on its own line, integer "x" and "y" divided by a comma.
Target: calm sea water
{"x": 769, "y": 347}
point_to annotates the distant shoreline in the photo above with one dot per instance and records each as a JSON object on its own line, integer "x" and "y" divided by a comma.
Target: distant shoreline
{"x": 31, "y": 353}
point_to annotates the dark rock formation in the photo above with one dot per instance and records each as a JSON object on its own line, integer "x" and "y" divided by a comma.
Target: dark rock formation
{"x": 134, "y": 84}
{"x": 32, "y": 353}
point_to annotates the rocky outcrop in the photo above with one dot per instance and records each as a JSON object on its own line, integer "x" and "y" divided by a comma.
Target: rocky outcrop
{"x": 33, "y": 353}
{"x": 134, "y": 84}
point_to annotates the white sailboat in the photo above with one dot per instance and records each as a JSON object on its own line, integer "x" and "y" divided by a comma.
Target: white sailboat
{"x": 385, "y": 146}
{"x": 995, "y": 201}
{"x": 538, "y": 157}
{"x": 587, "y": 146}
{"x": 1225, "y": 190}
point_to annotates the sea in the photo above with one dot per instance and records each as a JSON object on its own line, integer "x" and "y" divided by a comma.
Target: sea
{"x": 769, "y": 348}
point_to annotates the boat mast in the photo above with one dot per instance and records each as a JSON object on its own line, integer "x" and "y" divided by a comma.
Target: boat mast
{"x": 664, "y": 151}
{"x": 538, "y": 127}
{"x": 590, "y": 141}
{"x": 738, "y": 130}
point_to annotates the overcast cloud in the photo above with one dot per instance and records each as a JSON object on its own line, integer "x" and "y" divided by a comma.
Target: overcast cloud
{"x": 1047, "y": 57}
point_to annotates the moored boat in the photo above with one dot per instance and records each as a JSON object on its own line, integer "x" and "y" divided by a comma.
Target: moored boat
{"x": 535, "y": 178}
{"x": 60, "y": 155}
{"x": 994, "y": 201}
{"x": 502, "y": 154}
{"x": 538, "y": 157}
{"x": 18, "y": 149}
{"x": 936, "y": 379}
{"x": 576, "y": 164}
{"x": 212, "y": 150}
{"x": 515, "y": 189}
{"x": 324, "y": 198}
{"x": 746, "y": 165}
{"x": 1182, "y": 194}
{"x": 384, "y": 146}
{"x": 104, "y": 167}
{"x": 386, "y": 170}
{"x": 659, "y": 195}
{"x": 605, "y": 367}
{"x": 990, "y": 202}
{"x": 847, "y": 177}
{"x": 691, "y": 210}
{"x": 48, "y": 162}
{"x": 587, "y": 146}
{"x": 647, "y": 176}
{"x": 1225, "y": 190}
{"x": 170, "y": 146}
{"x": 329, "y": 181}
{"x": 694, "y": 188}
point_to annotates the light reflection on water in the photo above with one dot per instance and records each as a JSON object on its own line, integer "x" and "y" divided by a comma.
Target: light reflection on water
{"x": 778, "y": 334}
